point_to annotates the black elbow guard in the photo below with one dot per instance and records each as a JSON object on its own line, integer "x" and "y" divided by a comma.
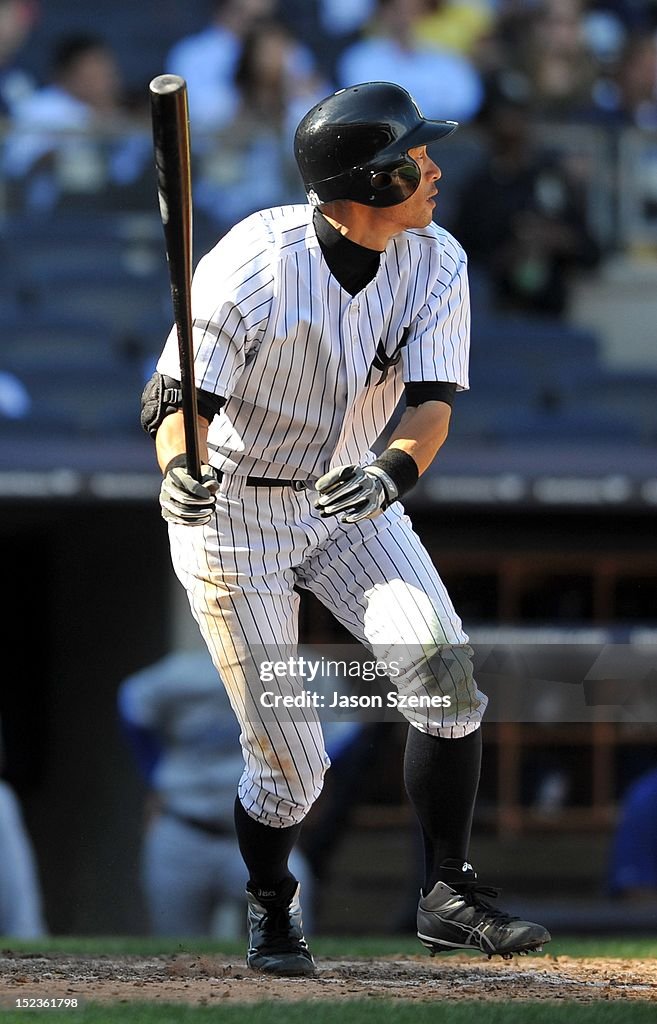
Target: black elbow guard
{"x": 163, "y": 395}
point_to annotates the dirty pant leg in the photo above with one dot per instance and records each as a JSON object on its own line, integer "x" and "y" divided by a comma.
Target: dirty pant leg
{"x": 247, "y": 622}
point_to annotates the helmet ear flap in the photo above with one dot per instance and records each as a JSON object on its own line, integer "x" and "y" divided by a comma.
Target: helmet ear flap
{"x": 388, "y": 185}
{"x": 395, "y": 184}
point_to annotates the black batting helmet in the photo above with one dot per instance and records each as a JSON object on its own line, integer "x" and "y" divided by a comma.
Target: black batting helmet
{"x": 354, "y": 145}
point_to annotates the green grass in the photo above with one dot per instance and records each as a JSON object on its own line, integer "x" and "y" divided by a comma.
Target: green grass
{"x": 370, "y": 1012}
{"x": 347, "y": 946}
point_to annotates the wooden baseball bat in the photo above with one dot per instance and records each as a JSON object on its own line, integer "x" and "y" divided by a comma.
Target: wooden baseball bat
{"x": 170, "y": 119}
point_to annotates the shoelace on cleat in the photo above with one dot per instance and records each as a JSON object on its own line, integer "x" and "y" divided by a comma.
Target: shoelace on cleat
{"x": 276, "y": 925}
{"x": 474, "y": 894}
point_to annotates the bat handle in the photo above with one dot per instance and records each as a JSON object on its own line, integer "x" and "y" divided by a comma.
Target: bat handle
{"x": 192, "y": 452}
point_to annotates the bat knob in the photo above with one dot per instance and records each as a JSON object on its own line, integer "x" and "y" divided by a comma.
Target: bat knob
{"x": 165, "y": 84}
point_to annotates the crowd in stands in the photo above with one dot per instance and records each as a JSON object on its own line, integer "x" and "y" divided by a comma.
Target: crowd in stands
{"x": 49, "y": 146}
{"x": 76, "y": 133}
{"x": 256, "y": 65}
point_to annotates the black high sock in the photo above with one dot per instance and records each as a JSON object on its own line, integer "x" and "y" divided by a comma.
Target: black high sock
{"x": 265, "y": 852}
{"x": 442, "y": 777}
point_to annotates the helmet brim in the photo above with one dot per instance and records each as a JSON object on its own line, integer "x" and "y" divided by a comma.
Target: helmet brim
{"x": 422, "y": 134}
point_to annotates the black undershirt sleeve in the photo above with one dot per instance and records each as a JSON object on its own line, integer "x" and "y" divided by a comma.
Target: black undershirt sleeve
{"x": 419, "y": 391}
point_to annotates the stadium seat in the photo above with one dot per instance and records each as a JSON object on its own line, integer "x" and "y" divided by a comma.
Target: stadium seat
{"x": 573, "y": 426}
{"x": 140, "y": 34}
{"x": 539, "y": 355}
{"x": 93, "y": 401}
{"x": 504, "y": 381}
{"x": 535, "y": 341}
{"x": 114, "y": 298}
{"x": 34, "y": 342}
{"x": 475, "y": 417}
{"x": 40, "y": 424}
{"x": 627, "y": 393}
{"x": 39, "y": 255}
{"x": 81, "y": 226}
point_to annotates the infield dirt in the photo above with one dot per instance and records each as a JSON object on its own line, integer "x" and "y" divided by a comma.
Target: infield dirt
{"x": 202, "y": 980}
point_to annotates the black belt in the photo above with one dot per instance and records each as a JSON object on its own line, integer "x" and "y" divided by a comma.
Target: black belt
{"x": 261, "y": 481}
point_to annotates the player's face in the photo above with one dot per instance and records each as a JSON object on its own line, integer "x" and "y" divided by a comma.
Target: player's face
{"x": 417, "y": 210}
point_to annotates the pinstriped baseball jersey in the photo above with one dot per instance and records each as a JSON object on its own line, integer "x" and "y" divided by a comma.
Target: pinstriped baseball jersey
{"x": 310, "y": 374}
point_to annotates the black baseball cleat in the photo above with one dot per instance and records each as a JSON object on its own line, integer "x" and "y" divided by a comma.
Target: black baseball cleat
{"x": 456, "y": 915}
{"x": 276, "y": 941}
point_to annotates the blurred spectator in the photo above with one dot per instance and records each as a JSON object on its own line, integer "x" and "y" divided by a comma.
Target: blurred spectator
{"x": 185, "y": 739}
{"x": 634, "y": 15}
{"x": 444, "y": 84}
{"x": 605, "y": 34}
{"x": 177, "y": 718}
{"x": 17, "y": 18}
{"x": 60, "y": 141}
{"x": 457, "y": 25}
{"x": 627, "y": 97}
{"x": 637, "y": 82}
{"x": 209, "y": 61}
{"x": 633, "y": 860}
{"x": 15, "y": 402}
{"x": 272, "y": 89}
{"x": 326, "y": 27}
{"x": 21, "y": 914}
{"x": 521, "y": 217}
{"x": 548, "y": 44}
{"x": 343, "y": 17}
{"x": 250, "y": 164}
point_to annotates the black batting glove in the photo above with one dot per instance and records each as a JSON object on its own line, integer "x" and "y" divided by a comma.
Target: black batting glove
{"x": 354, "y": 493}
{"x": 185, "y": 501}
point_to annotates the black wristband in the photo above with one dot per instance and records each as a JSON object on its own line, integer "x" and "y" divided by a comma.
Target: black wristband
{"x": 400, "y": 467}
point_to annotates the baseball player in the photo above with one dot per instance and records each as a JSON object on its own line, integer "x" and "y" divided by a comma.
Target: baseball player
{"x": 311, "y": 322}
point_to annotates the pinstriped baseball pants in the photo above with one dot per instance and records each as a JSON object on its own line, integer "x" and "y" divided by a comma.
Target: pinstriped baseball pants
{"x": 376, "y": 578}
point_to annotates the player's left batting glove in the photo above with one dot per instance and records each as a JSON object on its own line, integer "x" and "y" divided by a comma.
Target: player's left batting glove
{"x": 354, "y": 493}
{"x": 185, "y": 501}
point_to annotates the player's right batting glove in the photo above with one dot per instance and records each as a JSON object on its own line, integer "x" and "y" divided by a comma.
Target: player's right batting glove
{"x": 183, "y": 499}
{"x": 354, "y": 493}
